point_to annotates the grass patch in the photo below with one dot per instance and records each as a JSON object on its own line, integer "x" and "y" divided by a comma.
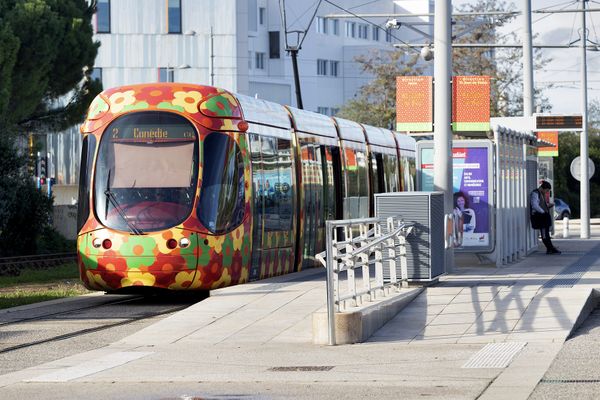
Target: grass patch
{"x": 36, "y": 285}
{"x": 29, "y": 296}
{"x": 32, "y": 276}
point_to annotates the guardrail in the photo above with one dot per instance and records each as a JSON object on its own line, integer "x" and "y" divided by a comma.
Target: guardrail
{"x": 12, "y": 266}
{"x": 359, "y": 244}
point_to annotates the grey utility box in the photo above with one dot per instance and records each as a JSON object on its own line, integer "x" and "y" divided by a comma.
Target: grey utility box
{"x": 425, "y": 245}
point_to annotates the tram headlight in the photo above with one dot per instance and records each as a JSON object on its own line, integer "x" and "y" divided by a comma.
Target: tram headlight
{"x": 171, "y": 243}
{"x": 184, "y": 242}
{"x": 97, "y": 243}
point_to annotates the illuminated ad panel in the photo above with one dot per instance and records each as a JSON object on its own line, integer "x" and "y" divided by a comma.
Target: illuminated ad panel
{"x": 414, "y": 103}
{"x": 472, "y": 187}
{"x": 471, "y": 103}
{"x": 549, "y": 151}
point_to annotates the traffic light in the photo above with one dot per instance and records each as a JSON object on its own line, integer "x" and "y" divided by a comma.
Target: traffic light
{"x": 42, "y": 171}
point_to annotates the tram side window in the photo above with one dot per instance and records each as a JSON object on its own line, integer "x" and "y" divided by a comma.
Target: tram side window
{"x": 221, "y": 206}
{"x": 391, "y": 173}
{"x": 85, "y": 171}
{"x": 278, "y": 186}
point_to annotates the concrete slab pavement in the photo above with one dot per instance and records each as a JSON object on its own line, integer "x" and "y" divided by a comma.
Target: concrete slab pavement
{"x": 442, "y": 344}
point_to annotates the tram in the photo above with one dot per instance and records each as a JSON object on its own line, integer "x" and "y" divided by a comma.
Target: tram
{"x": 189, "y": 187}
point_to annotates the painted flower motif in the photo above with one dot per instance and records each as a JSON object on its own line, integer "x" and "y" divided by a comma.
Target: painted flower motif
{"x": 238, "y": 237}
{"x": 119, "y": 100}
{"x": 98, "y": 107}
{"x": 216, "y": 243}
{"x": 183, "y": 280}
{"x": 135, "y": 277}
{"x": 154, "y": 95}
{"x": 188, "y": 100}
{"x": 96, "y": 281}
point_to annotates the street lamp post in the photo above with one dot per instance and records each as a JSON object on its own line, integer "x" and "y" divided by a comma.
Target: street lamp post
{"x": 583, "y": 143}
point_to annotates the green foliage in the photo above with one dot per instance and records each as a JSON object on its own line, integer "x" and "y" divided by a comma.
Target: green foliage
{"x": 565, "y": 186}
{"x": 33, "y": 275}
{"x": 376, "y": 101}
{"x": 45, "y": 47}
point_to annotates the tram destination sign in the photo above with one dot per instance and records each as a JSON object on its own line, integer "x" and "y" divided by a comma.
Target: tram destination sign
{"x": 558, "y": 122}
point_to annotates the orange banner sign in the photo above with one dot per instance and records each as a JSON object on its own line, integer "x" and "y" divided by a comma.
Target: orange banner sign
{"x": 548, "y": 151}
{"x": 414, "y": 103}
{"x": 471, "y": 103}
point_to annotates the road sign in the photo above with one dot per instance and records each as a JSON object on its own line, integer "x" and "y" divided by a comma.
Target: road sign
{"x": 558, "y": 122}
{"x": 576, "y": 168}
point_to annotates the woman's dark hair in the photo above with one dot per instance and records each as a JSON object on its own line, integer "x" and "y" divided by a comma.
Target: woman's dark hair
{"x": 461, "y": 194}
{"x": 545, "y": 185}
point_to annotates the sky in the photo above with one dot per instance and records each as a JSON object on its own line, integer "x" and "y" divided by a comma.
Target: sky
{"x": 564, "y": 71}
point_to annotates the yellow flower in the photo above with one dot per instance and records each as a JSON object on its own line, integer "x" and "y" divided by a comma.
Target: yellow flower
{"x": 119, "y": 100}
{"x": 216, "y": 243}
{"x": 188, "y": 100}
{"x": 228, "y": 125}
{"x": 96, "y": 280}
{"x": 224, "y": 280}
{"x": 137, "y": 277}
{"x": 238, "y": 237}
{"x": 183, "y": 280}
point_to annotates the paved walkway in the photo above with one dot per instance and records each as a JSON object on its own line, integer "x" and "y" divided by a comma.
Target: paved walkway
{"x": 482, "y": 332}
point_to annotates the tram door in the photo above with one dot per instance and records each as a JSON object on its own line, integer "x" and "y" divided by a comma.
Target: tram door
{"x": 319, "y": 169}
{"x": 274, "y": 206}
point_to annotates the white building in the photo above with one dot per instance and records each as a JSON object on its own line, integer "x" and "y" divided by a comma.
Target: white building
{"x": 238, "y": 45}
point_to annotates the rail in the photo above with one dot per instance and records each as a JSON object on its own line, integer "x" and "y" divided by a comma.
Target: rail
{"x": 12, "y": 266}
{"x": 359, "y": 244}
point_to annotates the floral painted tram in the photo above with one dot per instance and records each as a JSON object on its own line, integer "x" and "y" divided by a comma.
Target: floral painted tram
{"x": 188, "y": 187}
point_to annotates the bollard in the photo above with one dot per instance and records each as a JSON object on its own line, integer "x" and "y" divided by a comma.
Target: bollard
{"x": 565, "y": 222}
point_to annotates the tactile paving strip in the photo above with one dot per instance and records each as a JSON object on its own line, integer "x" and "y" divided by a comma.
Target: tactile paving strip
{"x": 495, "y": 355}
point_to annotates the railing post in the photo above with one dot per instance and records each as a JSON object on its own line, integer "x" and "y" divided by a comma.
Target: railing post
{"x": 330, "y": 295}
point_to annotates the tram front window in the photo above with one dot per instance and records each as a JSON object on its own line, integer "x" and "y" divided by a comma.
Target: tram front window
{"x": 146, "y": 172}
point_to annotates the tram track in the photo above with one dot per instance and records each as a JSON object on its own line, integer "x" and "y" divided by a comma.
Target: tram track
{"x": 80, "y": 317}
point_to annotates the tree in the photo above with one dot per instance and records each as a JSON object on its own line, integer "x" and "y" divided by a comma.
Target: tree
{"x": 565, "y": 186}
{"x": 375, "y": 103}
{"x": 46, "y": 54}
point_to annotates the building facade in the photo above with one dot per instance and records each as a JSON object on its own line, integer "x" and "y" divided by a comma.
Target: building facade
{"x": 239, "y": 45}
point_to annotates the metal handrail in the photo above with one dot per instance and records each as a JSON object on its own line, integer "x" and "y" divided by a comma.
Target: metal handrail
{"x": 345, "y": 256}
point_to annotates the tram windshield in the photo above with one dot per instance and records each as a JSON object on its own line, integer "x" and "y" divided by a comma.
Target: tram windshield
{"x": 146, "y": 172}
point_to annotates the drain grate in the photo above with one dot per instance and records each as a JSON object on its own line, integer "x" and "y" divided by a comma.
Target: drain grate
{"x": 495, "y": 355}
{"x": 302, "y": 368}
{"x": 567, "y": 277}
{"x": 570, "y": 381}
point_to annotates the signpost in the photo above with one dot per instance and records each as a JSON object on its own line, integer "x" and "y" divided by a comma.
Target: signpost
{"x": 576, "y": 168}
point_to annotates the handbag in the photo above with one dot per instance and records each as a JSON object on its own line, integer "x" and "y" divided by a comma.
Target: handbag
{"x": 539, "y": 221}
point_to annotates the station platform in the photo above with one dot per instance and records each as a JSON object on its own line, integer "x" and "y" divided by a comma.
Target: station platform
{"x": 479, "y": 333}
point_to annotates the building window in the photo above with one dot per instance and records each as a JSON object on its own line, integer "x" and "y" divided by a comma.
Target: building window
{"x": 336, "y": 26}
{"x": 166, "y": 75}
{"x": 260, "y": 60}
{"x": 351, "y": 29}
{"x": 174, "y": 16}
{"x": 321, "y": 67}
{"x": 252, "y": 17}
{"x": 103, "y": 16}
{"x": 249, "y": 60}
{"x": 323, "y": 110}
{"x": 321, "y": 25}
{"x": 262, "y": 12}
{"x": 375, "y": 33}
{"x": 333, "y": 68}
{"x": 274, "y": 47}
{"x": 96, "y": 74}
{"x": 363, "y": 31}
{"x": 334, "y": 111}
{"x": 388, "y": 35}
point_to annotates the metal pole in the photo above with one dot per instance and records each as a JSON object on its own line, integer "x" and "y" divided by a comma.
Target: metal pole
{"x": 584, "y": 192}
{"x": 528, "y": 91}
{"x": 294, "y": 54}
{"x": 330, "y": 295}
{"x": 211, "y": 51}
{"x": 442, "y": 133}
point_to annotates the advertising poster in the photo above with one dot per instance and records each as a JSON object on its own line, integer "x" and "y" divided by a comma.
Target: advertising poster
{"x": 471, "y": 103}
{"x": 471, "y": 193}
{"x": 550, "y": 151}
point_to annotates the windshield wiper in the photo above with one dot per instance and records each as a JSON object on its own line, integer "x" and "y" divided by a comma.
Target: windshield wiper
{"x": 113, "y": 200}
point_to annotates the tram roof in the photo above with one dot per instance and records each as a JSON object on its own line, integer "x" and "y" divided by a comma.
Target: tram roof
{"x": 315, "y": 123}
{"x": 264, "y": 112}
{"x": 350, "y": 130}
{"x": 379, "y": 136}
{"x": 405, "y": 142}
